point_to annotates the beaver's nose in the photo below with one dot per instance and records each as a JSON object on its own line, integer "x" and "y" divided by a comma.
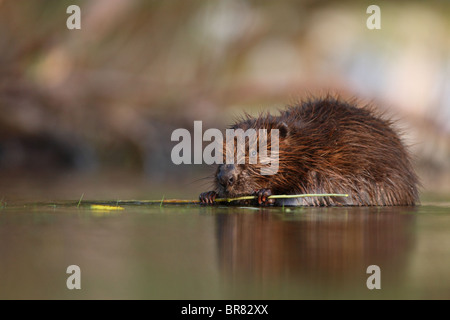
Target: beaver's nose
{"x": 226, "y": 177}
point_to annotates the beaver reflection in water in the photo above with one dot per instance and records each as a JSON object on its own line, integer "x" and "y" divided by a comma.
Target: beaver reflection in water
{"x": 326, "y": 145}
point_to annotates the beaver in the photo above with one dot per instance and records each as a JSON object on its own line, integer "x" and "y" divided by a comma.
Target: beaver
{"x": 326, "y": 145}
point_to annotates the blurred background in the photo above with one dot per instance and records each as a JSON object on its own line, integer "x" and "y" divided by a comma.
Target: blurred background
{"x": 90, "y": 112}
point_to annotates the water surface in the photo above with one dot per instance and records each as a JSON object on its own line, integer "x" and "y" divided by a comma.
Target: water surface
{"x": 193, "y": 252}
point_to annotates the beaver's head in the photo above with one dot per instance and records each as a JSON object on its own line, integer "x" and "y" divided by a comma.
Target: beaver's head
{"x": 255, "y": 157}
{"x": 236, "y": 180}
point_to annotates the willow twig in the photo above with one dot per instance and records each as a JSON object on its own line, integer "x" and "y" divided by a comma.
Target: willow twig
{"x": 286, "y": 196}
{"x": 182, "y": 201}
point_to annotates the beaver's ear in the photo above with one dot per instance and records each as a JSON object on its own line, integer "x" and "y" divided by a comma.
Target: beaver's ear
{"x": 283, "y": 129}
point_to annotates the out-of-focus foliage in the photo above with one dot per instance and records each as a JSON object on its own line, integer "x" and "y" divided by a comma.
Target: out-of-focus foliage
{"x": 109, "y": 95}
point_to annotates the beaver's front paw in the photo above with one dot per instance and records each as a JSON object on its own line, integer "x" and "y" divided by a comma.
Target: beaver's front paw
{"x": 263, "y": 197}
{"x": 207, "y": 197}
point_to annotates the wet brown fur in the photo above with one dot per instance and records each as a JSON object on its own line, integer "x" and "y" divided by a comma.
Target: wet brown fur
{"x": 329, "y": 145}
